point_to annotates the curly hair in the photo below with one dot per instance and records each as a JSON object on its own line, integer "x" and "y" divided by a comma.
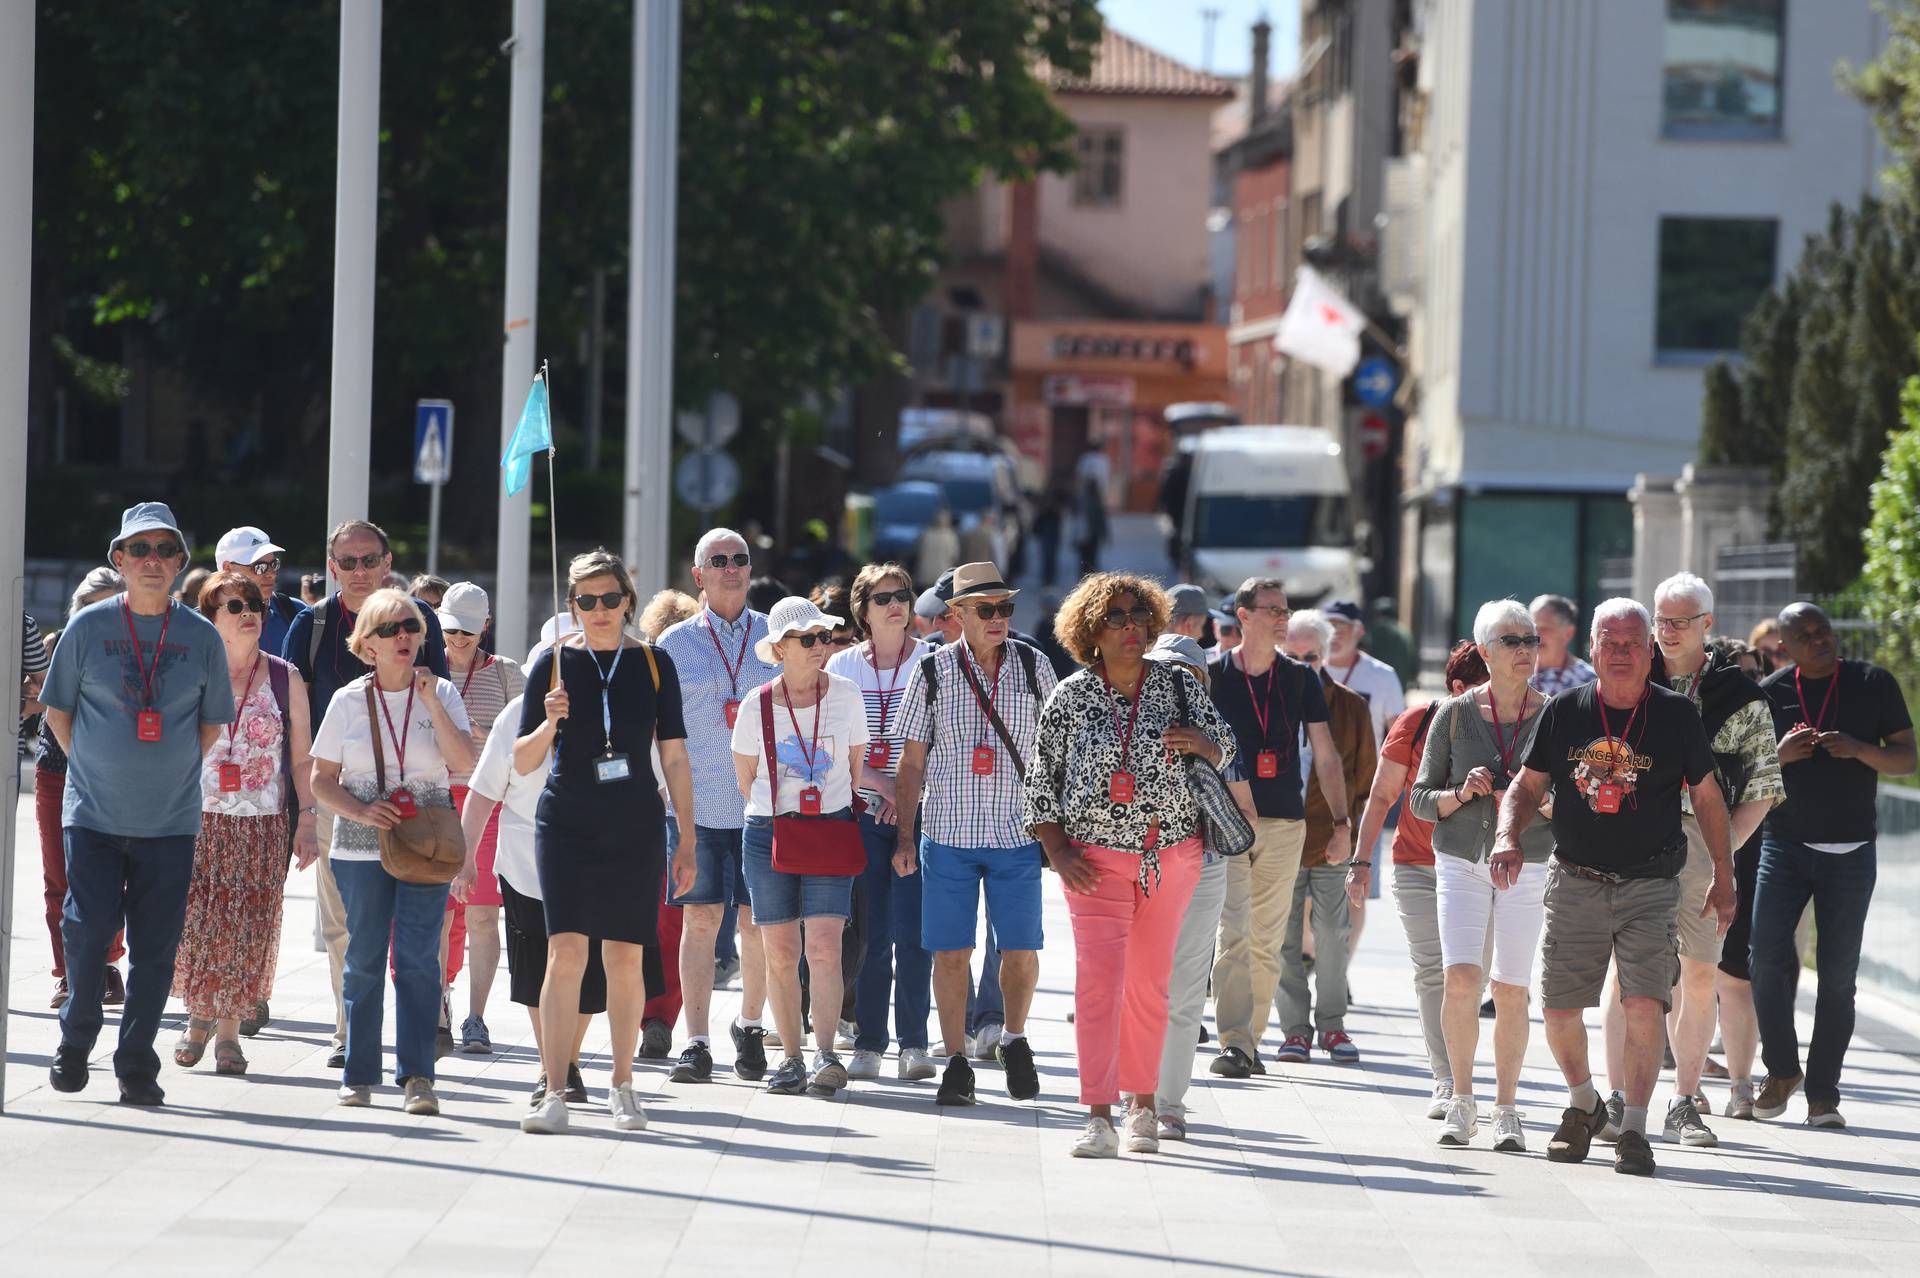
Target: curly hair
{"x": 666, "y": 608}
{"x": 1466, "y": 665}
{"x": 864, "y": 584}
{"x": 241, "y": 584}
{"x": 1082, "y": 618}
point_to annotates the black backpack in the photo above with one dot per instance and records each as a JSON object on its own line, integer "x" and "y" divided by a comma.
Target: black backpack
{"x": 1028, "y": 657}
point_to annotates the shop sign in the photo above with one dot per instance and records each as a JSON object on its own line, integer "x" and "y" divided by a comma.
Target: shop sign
{"x": 1072, "y": 388}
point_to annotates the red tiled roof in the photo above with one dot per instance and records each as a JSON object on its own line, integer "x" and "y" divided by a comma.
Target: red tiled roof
{"x": 1122, "y": 65}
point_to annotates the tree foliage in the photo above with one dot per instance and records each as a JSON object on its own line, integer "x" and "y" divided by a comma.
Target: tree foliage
{"x": 1891, "y": 576}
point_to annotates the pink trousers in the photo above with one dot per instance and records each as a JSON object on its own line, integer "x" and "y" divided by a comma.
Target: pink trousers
{"x": 1123, "y": 945}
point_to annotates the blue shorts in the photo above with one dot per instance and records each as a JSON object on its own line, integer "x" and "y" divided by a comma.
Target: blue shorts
{"x": 719, "y": 880}
{"x": 779, "y": 897}
{"x": 951, "y": 880}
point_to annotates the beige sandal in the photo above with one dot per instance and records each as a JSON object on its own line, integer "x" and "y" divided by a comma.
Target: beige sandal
{"x": 228, "y": 1058}
{"x": 188, "y": 1051}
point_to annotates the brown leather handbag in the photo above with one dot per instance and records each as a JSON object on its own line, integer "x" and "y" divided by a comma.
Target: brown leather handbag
{"x": 427, "y": 847}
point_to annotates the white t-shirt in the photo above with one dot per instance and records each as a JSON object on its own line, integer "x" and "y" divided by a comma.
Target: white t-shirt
{"x": 518, "y": 797}
{"x": 1375, "y": 680}
{"x": 843, "y": 728}
{"x": 880, "y": 695}
{"x": 346, "y": 738}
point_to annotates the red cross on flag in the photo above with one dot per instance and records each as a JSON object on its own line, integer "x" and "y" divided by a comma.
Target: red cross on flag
{"x": 1321, "y": 327}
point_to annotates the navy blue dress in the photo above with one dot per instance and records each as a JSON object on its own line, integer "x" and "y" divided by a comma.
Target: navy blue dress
{"x": 602, "y": 846}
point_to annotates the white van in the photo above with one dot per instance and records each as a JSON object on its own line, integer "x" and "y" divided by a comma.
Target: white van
{"x": 1271, "y": 501}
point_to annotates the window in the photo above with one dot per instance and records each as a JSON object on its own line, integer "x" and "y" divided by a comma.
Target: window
{"x": 1712, "y": 272}
{"x": 1723, "y": 63}
{"x": 1101, "y": 155}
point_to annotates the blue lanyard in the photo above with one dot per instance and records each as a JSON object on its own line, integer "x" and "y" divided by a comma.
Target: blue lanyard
{"x": 606, "y": 690}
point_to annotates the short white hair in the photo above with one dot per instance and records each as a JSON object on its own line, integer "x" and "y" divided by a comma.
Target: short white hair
{"x": 1496, "y": 615}
{"x": 1684, "y": 585}
{"x": 1316, "y": 621}
{"x": 712, "y": 537}
{"x": 1618, "y": 609}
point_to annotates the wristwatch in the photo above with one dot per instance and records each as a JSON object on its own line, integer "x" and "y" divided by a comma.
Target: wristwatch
{"x": 312, "y": 809}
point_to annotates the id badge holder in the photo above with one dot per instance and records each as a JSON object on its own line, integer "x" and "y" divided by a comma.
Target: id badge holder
{"x": 810, "y": 802}
{"x": 983, "y": 761}
{"x": 229, "y": 778}
{"x": 403, "y": 800}
{"x": 1266, "y": 765}
{"x": 611, "y": 767}
{"x": 1120, "y": 787}
{"x": 878, "y": 753}
{"x": 1607, "y": 797}
{"x": 732, "y": 710}
{"x": 146, "y": 725}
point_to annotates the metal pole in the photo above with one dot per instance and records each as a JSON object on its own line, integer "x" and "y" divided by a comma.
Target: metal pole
{"x": 433, "y": 530}
{"x": 16, "y": 256}
{"x": 511, "y": 600}
{"x": 596, "y": 366}
{"x": 656, "y": 137}
{"x": 355, "y": 210}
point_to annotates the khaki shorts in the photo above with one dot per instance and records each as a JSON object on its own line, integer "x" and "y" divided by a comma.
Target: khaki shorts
{"x": 1587, "y": 923}
{"x": 1699, "y": 938}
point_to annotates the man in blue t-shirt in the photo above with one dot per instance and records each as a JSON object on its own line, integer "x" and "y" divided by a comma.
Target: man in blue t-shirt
{"x": 137, "y": 690}
{"x": 359, "y": 558}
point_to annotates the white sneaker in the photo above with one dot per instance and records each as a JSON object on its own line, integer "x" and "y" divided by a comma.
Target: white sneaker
{"x": 864, "y": 1065}
{"x": 1099, "y": 1140}
{"x": 915, "y": 1065}
{"x": 352, "y": 1097}
{"x": 1143, "y": 1131}
{"x": 625, "y": 1108}
{"x": 985, "y": 1041}
{"x": 1508, "y": 1136}
{"x": 419, "y": 1098}
{"x": 1172, "y": 1126}
{"x": 1463, "y": 1120}
{"x": 1740, "y": 1103}
{"x": 549, "y": 1117}
{"x": 844, "y": 1041}
{"x": 1442, "y": 1097}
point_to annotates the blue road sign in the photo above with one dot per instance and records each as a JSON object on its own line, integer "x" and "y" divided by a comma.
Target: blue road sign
{"x": 432, "y": 441}
{"x": 1375, "y": 381}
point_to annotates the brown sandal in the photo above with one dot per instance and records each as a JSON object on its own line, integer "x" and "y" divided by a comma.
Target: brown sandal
{"x": 228, "y": 1058}
{"x": 188, "y": 1051}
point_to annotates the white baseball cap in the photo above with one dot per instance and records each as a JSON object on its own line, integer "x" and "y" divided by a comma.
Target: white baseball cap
{"x": 464, "y": 607}
{"x": 245, "y": 546}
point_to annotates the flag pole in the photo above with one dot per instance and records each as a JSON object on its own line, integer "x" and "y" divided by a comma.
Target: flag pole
{"x": 553, "y": 526}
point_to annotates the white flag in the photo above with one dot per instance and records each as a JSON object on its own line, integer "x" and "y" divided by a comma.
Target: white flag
{"x": 1321, "y": 326}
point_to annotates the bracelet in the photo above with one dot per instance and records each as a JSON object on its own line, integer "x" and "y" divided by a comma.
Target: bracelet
{"x": 1358, "y": 864}
{"x": 1342, "y": 823}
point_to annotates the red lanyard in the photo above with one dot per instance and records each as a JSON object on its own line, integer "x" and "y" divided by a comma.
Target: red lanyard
{"x": 242, "y": 707}
{"x": 734, "y": 668}
{"x": 1833, "y": 697}
{"x": 399, "y": 739}
{"x": 1507, "y": 748}
{"x": 1260, "y": 714}
{"x": 139, "y": 659}
{"x": 786, "y": 698}
{"x": 993, "y": 693}
{"x": 1613, "y": 759}
{"x": 473, "y": 669}
{"x": 1126, "y": 737}
{"x": 1350, "y": 669}
{"x": 887, "y": 693}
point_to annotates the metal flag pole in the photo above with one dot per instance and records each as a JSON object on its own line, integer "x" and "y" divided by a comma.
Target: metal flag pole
{"x": 553, "y": 527}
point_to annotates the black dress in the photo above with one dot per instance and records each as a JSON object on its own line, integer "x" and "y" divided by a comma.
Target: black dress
{"x": 602, "y": 845}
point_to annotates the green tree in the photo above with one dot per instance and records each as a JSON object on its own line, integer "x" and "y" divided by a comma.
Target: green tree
{"x": 1891, "y": 575}
{"x": 1724, "y": 438}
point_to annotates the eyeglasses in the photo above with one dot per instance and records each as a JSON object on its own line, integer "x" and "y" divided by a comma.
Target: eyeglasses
{"x": 266, "y": 567}
{"x": 138, "y": 550}
{"x": 238, "y": 606}
{"x": 740, "y": 560}
{"x": 1310, "y": 658}
{"x": 1120, "y": 618}
{"x": 1274, "y": 611}
{"x": 388, "y": 629}
{"x": 988, "y": 611}
{"x": 352, "y": 562}
{"x": 1517, "y": 641}
{"x": 885, "y": 597}
{"x": 610, "y": 600}
{"x": 1678, "y": 625}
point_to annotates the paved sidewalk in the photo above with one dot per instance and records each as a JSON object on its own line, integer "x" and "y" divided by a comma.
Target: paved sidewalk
{"x": 1311, "y": 1170}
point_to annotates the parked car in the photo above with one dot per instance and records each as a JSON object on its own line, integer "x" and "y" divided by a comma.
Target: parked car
{"x": 975, "y": 482}
{"x": 902, "y": 513}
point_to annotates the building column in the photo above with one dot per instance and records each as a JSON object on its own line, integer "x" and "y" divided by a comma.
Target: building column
{"x": 1656, "y": 533}
{"x": 1720, "y": 506}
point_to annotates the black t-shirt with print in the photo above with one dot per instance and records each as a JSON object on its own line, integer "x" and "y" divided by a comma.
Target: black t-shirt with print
{"x": 1288, "y": 695}
{"x": 1831, "y": 800}
{"x": 1637, "y": 771}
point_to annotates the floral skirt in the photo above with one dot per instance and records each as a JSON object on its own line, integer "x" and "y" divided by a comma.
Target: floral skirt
{"x": 231, "y": 941}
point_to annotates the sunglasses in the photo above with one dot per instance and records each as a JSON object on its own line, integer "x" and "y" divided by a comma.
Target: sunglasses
{"x": 610, "y": 600}
{"x": 840, "y": 641}
{"x": 1120, "y": 618}
{"x": 388, "y": 629}
{"x": 987, "y": 611}
{"x": 740, "y": 560}
{"x": 1312, "y": 659}
{"x": 466, "y": 634}
{"x": 1274, "y": 611}
{"x": 808, "y": 640}
{"x": 352, "y": 562}
{"x": 885, "y": 597}
{"x": 266, "y": 567}
{"x": 238, "y": 606}
{"x": 137, "y": 550}
{"x": 1517, "y": 641}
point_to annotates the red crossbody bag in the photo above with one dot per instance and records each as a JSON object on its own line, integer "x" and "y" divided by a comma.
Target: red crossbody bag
{"x": 807, "y": 844}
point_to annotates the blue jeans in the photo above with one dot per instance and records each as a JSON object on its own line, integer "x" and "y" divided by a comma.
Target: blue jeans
{"x": 779, "y": 897}
{"x": 984, "y": 1005}
{"x": 111, "y": 878}
{"x": 377, "y": 905}
{"x": 1840, "y": 884}
{"x": 895, "y": 963}
{"x": 719, "y": 879}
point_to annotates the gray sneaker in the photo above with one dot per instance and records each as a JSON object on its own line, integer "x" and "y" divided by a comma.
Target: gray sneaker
{"x": 1616, "y": 1119}
{"x": 420, "y": 1098}
{"x": 828, "y": 1076}
{"x": 1684, "y": 1127}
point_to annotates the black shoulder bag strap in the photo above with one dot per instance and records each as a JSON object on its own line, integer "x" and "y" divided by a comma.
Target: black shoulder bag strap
{"x": 993, "y": 715}
{"x": 316, "y": 637}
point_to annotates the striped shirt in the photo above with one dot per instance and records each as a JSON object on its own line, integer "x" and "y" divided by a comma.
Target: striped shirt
{"x": 716, "y": 664}
{"x": 486, "y": 689}
{"x": 958, "y": 807}
{"x": 881, "y": 691}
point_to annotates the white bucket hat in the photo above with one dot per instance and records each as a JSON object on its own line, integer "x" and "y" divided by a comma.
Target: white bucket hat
{"x": 792, "y": 615}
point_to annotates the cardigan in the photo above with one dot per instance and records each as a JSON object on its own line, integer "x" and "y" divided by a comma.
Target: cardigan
{"x": 1459, "y": 741}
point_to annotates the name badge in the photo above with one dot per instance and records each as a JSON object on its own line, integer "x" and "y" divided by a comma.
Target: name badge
{"x": 1266, "y": 765}
{"x": 146, "y": 725}
{"x": 1120, "y": 787}
{"x": 404, "y": 801}
{"x": 878, "y": 753}
{"x": 229, "y": 778}
{"x": 810, "y": 802}
{"x": 611, "y": 767}
{"x": 732, "y": 710}
{"x": 1607, "y": 797}
{"x": 983, "y": 761}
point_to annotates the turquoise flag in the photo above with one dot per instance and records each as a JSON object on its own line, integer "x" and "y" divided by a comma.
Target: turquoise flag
{"x": 533, "y": 435}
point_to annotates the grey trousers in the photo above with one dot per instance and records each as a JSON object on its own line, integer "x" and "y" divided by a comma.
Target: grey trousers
{"x": 1187, "y": 988}
{"x": 1332, "y": 928}
{"x": 1419, "y": 915}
